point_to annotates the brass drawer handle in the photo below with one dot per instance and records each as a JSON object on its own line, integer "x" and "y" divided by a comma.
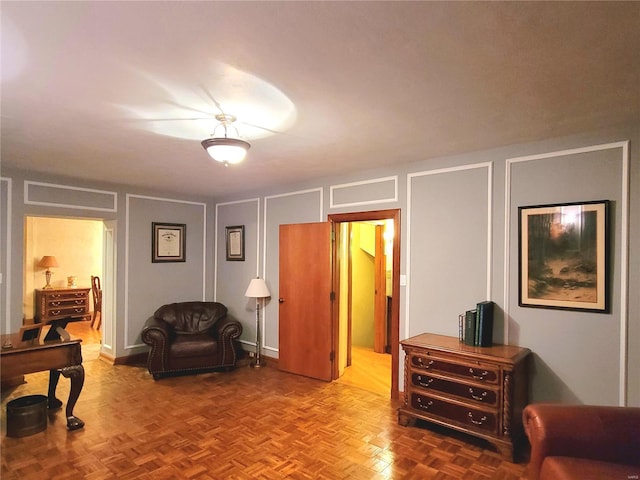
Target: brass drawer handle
{"x": 479, "y": 377}
{"x": 79, "y": 294}
{"x": 478, "y": 397}
{"x": 55, "y": 304}
{"x": 55, "y": 312}
{"x": 79, "y": 302}
{"x": 424, "y": 384}
{"x": 423, "y": 406}
{"x": 477, "y": 422}
{"x": 79, "y": 310}
{"x": 55, "y": 295}
{"x": 423, "y": 365}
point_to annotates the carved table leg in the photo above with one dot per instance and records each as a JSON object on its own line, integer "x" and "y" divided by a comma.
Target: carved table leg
{"x": 76, "y": 374}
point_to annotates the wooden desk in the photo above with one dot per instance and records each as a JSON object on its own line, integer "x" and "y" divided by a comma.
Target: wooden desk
{"x": 58, "y": 356}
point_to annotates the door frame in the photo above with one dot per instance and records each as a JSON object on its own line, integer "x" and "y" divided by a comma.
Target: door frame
{"x": 391, "y": 214}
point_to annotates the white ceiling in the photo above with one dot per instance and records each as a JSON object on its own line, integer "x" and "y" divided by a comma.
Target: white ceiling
{"x": 90, "y": 89}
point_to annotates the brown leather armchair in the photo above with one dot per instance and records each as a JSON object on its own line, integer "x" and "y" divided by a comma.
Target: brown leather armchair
{"x": 582, "y": 442}
{"x": 190, "y": 337}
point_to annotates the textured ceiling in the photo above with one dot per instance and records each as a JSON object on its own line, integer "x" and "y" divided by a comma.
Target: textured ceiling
{"x": 124, "y": 91}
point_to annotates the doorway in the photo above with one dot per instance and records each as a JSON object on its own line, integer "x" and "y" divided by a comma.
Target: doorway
{"x": 78, "y": 246}
{"x": 367, "y": 348}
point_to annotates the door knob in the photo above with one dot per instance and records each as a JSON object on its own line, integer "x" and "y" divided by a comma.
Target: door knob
{"x": 281, "y": 300}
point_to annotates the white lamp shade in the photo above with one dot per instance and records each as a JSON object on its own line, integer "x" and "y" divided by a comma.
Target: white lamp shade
{"x": 257, "y": 289}
{"x": 226, "y": 150}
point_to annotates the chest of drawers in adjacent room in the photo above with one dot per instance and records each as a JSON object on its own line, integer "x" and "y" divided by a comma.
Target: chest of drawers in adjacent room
{"x": 480, "y": 391}
{"x": 57, "y": 303}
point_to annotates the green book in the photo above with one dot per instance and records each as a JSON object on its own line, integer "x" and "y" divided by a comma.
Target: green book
{"x": 470, "y": 327}
{"x": 484, "y": 324}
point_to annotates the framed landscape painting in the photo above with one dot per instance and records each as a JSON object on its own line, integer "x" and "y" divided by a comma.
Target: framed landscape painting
{"x": 564, "y": 256}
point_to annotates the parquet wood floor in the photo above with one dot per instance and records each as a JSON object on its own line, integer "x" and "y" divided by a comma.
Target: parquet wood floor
{"x": 246, "y": 424}
{"x": 369, "y": 370}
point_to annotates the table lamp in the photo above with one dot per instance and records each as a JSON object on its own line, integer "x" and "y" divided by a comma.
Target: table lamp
{"x": 48, "y": 261}
{"x": 258, "y": 289}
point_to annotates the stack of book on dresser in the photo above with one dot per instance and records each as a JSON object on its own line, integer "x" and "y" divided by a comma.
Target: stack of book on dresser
{"x": 476, "y": 327}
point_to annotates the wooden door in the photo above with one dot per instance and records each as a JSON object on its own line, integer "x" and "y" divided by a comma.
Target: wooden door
{"x": 380, "y": 294}
{"x": 305, "y": 320}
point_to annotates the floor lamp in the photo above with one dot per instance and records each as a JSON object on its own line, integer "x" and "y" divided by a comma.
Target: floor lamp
{"x": 258, "y": 289}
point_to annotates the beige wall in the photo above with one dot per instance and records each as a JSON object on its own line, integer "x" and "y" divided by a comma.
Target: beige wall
{"x": 76, "y": 244}
{"x": 363, "y": 285}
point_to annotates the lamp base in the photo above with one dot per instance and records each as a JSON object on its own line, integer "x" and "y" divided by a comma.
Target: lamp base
{"x": 258, "y": 363}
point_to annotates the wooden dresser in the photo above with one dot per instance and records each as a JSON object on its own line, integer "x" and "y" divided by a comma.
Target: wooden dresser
{"x": 56, "y": 303}
{"x": 477, "y": 390}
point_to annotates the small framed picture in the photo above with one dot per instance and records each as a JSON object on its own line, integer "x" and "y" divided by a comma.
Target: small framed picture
{"x": 564, "y": 256}
{"x": 168, "y": 242}
{"x": 30, "y": 333}
{"x": 235, "y": 243}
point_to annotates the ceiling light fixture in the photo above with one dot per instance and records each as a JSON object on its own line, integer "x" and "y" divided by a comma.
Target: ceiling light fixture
{"x": 224, "y": 149}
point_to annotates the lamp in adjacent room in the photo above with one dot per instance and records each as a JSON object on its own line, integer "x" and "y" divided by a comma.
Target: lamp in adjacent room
{"x": 258, "y": 289}
{"x": 226, "y": 150}
{"x": 48, "y": 261}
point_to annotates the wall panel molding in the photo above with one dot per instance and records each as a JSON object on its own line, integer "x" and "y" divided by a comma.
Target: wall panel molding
{"x": 6, "y": 228}
{"x": 127, "y": 344}
{"x": 624, "y": 240}
{"x": 489, "y": 223}
{"x": 267, "y": 310}
{"x": 360, "y": 195}
{"x": 51, "y": 194}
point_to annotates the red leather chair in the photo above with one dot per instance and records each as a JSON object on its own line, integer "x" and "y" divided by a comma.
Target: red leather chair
{"x": 582, "y": 442}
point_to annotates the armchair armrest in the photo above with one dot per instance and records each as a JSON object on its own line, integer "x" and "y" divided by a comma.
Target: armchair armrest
{"x": 156, "y": 332}
{"x": 610, "y": 434}
{"x": 228, "y": 327}
{"x": 158, "y": 335}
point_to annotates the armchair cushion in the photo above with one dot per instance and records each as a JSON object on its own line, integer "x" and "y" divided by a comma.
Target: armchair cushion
{"x": 569, "y": 441}
{"x": 188, "y": 337}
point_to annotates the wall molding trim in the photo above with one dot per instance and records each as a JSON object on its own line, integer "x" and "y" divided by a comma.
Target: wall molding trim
{"x": 624, "y": 243}
{"x": 440, "y": 171}
{"x": 129, "y": 196}
{"x": 31, "y": 186}
{"x": 334, "y": 188}
{"x": 215, "y": 240}
{"x": 265, "y": 214}
{"x": 6, "y": 284}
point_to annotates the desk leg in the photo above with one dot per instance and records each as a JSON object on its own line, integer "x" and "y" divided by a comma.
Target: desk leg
{"x": 53, "y": 402}
{"x": 76, "y": 374}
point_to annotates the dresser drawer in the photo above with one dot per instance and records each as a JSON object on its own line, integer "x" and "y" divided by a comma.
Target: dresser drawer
{"x": 478, "y": 394}
{"x": 66, "y": 312}
{"x": 469, "y": 417}
{"x": 66, "y": 295}
{"x": 477, "y": 371}
{"x": 52, "y": 304}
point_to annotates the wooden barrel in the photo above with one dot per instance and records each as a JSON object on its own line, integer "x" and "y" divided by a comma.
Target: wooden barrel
{"x": 26, "y": 415}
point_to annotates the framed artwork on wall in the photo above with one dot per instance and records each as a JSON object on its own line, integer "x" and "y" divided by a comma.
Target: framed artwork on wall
{"x": 564, "y": 256}
{"x": 168, "y": 242}
{"x": 235, "y": 243}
